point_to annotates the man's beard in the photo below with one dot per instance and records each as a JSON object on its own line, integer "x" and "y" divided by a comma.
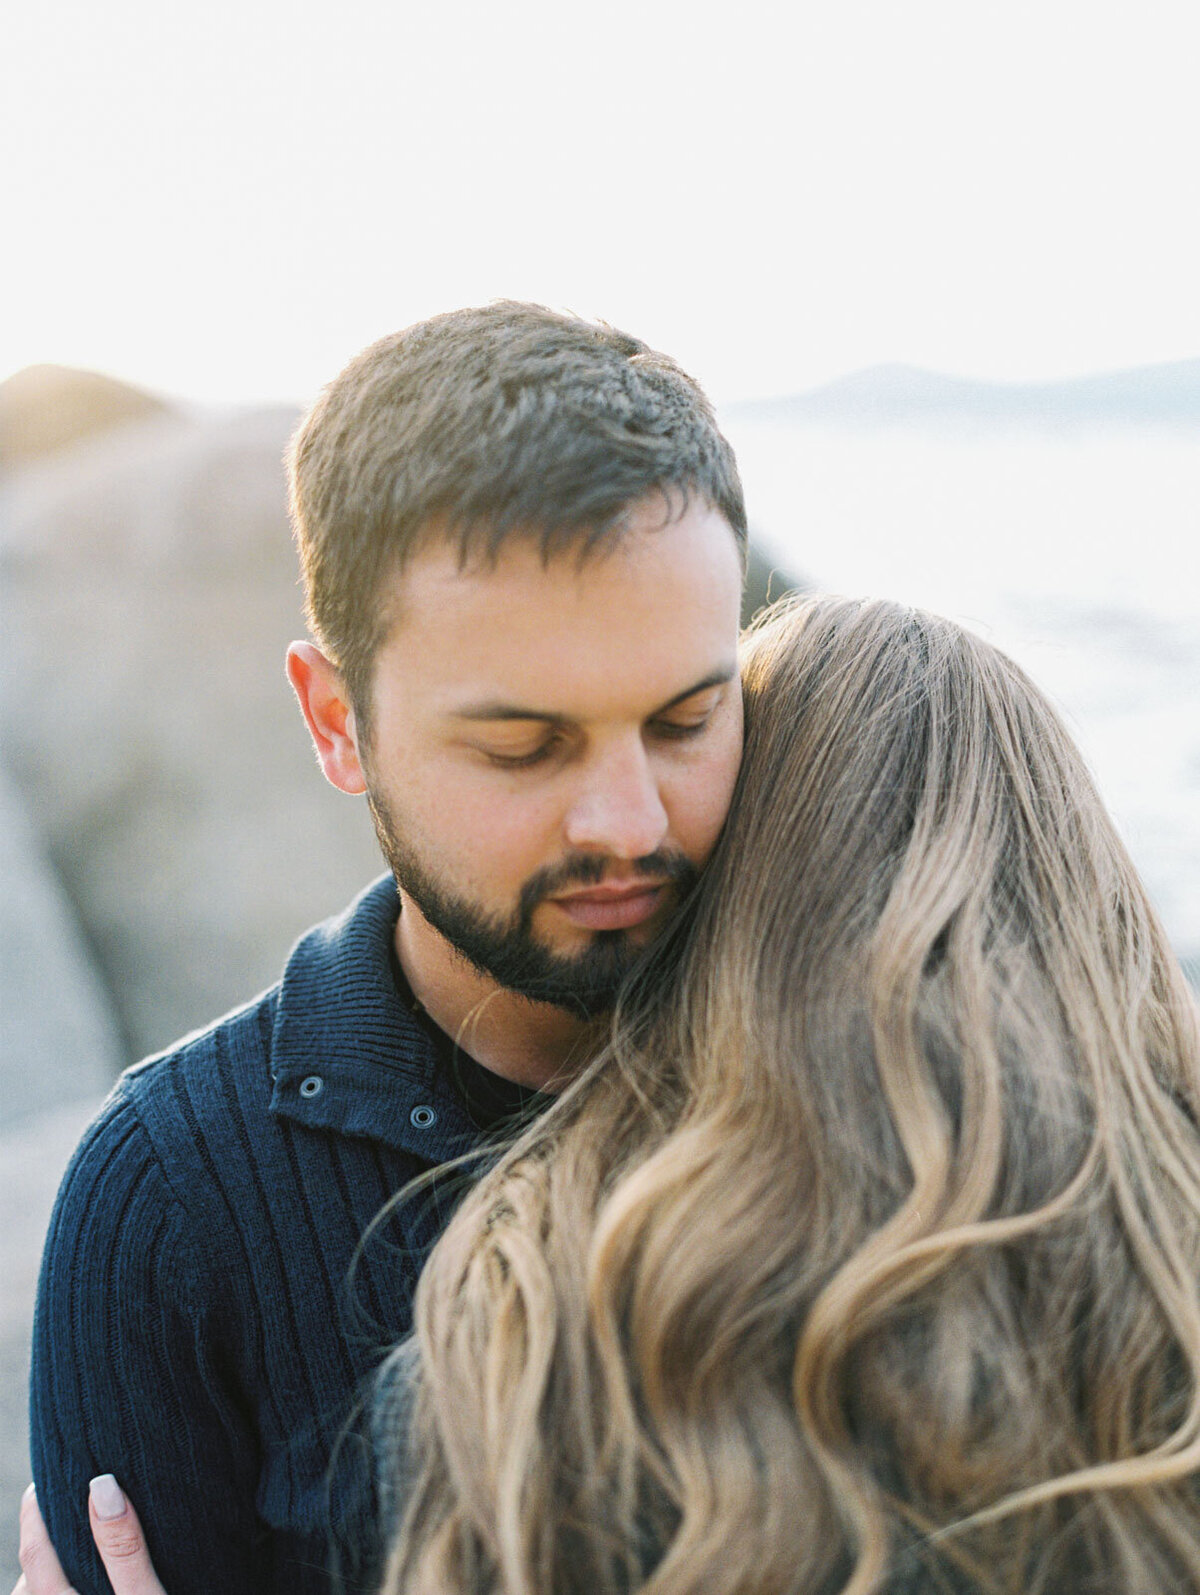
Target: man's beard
{"x": 506, "y": 949}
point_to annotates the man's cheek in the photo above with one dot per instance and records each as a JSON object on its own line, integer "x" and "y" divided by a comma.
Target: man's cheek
{"x": 509, "y": 825}
{"x": 499, "y": 854}
{"x": 704, "y": 816}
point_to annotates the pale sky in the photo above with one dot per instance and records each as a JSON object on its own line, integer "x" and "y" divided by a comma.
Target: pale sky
{"x": 226, "y": 201}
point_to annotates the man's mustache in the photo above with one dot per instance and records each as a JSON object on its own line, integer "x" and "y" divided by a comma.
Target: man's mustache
{"x": 583, "y": 869}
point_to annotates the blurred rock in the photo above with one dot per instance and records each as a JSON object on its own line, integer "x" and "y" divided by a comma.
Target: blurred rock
{"x": 149, "y": 584}
{"x": 58, "y": 1037}
{"x": 44, "y": 408}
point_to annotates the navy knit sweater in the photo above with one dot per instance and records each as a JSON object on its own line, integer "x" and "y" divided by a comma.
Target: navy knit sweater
{"x": 200, "y": 1331}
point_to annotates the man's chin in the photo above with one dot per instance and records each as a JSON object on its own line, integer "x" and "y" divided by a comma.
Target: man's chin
{"x": 584, "y": 985}
{"x": 574, "y": 990}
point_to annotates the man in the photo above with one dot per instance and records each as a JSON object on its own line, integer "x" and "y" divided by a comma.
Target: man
{"x": 522, "y": 539}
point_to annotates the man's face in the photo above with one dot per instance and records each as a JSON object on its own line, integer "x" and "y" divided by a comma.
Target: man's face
{"x": 554, "y": 746}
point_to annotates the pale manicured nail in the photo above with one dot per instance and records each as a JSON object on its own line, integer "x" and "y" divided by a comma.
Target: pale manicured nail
{"x": 107, "y": 1500}
{"x": 30, "y": 1493}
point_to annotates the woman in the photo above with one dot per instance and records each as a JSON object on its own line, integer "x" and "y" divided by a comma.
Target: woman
{"x": 867, "y": 1257}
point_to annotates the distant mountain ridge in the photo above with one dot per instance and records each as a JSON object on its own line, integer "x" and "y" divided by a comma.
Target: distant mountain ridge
{"x": 1158, "y": 395}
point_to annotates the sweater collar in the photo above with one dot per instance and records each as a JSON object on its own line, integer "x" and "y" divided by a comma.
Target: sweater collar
{"x": 346, "y": 1054}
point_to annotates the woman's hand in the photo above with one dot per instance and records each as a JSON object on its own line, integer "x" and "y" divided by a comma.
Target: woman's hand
{"x": 118, "y": 1536}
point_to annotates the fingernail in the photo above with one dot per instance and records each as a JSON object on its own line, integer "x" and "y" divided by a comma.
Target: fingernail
{"x": 30, "y": 1493}
{"x": 107, "y": 1499}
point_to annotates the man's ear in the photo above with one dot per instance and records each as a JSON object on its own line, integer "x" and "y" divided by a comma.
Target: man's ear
{"x": 325, "y": 705}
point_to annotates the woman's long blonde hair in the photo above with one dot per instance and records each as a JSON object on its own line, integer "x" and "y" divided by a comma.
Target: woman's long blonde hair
{"x": 867, "y": 1255}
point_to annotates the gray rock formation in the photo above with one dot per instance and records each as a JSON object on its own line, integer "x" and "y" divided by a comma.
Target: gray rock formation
{"x": 59, "y": 1040}
{"x": 44, "y": 408}
{"x": 149, "y": 580}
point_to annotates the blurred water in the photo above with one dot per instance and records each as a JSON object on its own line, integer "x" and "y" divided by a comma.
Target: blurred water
{"x": 1078, "y": 554}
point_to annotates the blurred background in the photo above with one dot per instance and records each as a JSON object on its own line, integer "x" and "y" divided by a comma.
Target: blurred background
{"x": 936, "y": 264}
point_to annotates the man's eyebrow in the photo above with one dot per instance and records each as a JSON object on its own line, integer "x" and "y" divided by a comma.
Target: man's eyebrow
{"x": 715, "y": 678}
{"x": 496, "y": 709}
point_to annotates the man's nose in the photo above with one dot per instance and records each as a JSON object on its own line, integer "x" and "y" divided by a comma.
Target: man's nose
{"x": 618, "y": 808}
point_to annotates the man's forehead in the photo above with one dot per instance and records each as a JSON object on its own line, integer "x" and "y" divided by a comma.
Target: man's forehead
{"x": 647, "y": 622}
{"x": 573, "y": 673}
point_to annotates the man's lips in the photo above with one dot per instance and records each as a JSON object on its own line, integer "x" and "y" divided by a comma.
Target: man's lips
{"x": 612, "y": 907}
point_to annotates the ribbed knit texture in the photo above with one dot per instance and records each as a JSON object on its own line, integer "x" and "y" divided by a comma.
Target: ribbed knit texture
{"x": 198, "y": 1331}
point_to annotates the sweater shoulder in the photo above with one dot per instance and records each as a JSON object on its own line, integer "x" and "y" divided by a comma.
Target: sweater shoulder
{"x": 240, "y": 1040}
{"x": 195, "y": 1107}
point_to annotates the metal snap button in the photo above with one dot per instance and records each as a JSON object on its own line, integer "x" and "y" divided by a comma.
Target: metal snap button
{"x": 312, "y": 1086}
{"x": 421, "y": 1118}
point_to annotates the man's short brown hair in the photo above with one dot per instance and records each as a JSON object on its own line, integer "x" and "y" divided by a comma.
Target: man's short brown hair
{"x": 475, "y": 425}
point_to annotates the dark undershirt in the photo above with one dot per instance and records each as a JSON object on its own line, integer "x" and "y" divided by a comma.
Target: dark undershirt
{"x": 491, "y": 1101}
